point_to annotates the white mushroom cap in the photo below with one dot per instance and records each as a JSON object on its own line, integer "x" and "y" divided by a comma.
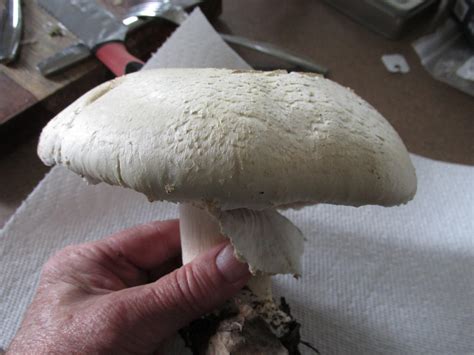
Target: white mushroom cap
{"x": 235, "y": 139}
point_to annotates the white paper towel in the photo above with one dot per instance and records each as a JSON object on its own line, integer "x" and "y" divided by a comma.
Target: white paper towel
{"x": 376, "y": 280}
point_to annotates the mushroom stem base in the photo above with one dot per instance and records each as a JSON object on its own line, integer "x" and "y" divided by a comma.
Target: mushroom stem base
{"x": 246, "y": 324}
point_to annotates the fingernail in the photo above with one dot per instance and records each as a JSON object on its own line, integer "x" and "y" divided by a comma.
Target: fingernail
{"x": 231, "y": 269}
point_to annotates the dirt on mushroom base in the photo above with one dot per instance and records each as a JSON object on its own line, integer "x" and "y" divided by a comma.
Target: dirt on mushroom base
{"x": 245, "y": 325}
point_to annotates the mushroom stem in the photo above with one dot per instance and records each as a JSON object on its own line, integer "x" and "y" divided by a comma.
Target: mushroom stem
{"x": 200, "y": 232}
{"x": 264, "y": 327}
{"x": 261, "y": 286}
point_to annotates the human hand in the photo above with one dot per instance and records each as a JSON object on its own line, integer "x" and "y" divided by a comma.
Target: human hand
{"x": 99, "y": 297}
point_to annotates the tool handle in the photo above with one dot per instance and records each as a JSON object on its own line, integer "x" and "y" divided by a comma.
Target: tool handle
{"x": 116, "y": 57}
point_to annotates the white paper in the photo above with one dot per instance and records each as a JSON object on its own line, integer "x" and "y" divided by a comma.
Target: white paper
{"x": 196, "y": 45}
{"x": 375, "y": 280}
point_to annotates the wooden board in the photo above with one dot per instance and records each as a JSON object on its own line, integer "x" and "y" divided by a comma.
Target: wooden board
{"x": 21, "y": 84}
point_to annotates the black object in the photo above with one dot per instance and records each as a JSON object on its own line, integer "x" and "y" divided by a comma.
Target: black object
{"x": 463, "y": 11}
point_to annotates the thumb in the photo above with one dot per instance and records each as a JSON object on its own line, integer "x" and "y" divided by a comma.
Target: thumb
{"x": 190, "y": 291}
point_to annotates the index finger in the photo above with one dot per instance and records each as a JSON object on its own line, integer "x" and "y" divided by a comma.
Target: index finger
{"x": 149, "y": 245}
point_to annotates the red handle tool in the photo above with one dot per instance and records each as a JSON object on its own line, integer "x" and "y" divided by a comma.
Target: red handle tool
{"x": 116, "y": 57}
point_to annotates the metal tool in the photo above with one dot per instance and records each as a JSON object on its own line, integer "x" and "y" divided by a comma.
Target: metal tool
{"x": 78, "y": 52}
{"x": 99, "y": 31}
{"x": 175, "y": 13}
{"x": 11, "y": 22}
{"x": 159, "y": 9}
{"x": 276, "y": 52}
{"x": 64, "y": 59}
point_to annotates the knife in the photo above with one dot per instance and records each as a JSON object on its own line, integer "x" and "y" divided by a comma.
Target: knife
{"x": 173, "y": 12}
{"x": 99, "y": 31}
{"x": 177, "y": 15}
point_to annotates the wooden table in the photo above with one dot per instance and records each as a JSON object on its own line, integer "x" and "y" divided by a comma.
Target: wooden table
{"x": 433, "y": 119}
{"x": 23, "y": 86}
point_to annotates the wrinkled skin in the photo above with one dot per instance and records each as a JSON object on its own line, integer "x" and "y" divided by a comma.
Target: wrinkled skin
{"x": 101, "y": 297}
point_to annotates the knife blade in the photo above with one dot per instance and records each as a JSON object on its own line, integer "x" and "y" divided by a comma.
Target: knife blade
{"x": 63, "y": 59}
{"x": 98, "y": 29}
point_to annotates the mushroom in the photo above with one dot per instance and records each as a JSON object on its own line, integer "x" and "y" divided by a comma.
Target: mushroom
{"x": 232, "y": 147}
